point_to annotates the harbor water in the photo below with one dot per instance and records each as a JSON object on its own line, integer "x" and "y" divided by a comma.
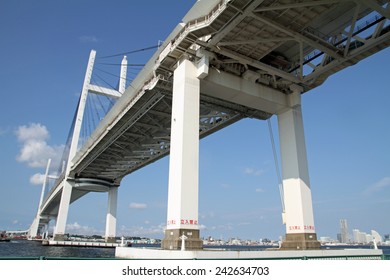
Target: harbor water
{"x": 34, "y": 249}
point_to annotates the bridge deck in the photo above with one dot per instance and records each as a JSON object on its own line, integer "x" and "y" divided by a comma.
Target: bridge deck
{"x": 274, "y": 44}
{"x": 245, "y": 38}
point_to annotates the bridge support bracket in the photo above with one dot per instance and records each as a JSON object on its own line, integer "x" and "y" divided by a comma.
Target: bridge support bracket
{"x": 59, "y": 237}
{"x": 172, "y": 239}
{"x": 301, "y": 241}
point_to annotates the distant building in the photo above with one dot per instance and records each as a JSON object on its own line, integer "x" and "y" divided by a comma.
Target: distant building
{"x": 364, "y": 238}
{"x": 344, "y": 231}
{"x": 356, "y": 236}
{"x": 325, "y": 239}
{"x": 376, "y": 236}
{"x": 387, "y": 239}
{"x": 328, "y": 240}
{"x": 359, "y": 236}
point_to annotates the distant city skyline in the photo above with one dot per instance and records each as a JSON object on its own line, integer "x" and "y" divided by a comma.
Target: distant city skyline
{"x": 357, "y": 236}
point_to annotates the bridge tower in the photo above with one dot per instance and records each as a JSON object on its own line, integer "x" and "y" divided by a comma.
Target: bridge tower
{"x": 89, "y": 184}
{"x": 40, "y": 224}
{"x": 182, "y": 214}
{"x": 298, "y": 213}
{"x": 182, "y": 217}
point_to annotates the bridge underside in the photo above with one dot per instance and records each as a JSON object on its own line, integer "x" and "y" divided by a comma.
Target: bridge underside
{"x": 274, "y": 44}
{"x": 253, "y": 58}
{"x": 142, "y": 136}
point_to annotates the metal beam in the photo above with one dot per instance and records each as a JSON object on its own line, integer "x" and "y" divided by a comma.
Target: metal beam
{"x": 351, "y": 29}
{"x": 256, "y": 41}
{"x": 257, "y": 64}
{"x": 329, "y": 49}
{"x": 364, "y": 50}
{"x": 83, "y": 162}
{"x": 233, "y": 23}
{"x": 295, "y": 5}
{"x": 237, "y": 90}
{"x": 104, "y": 91}
{"x": 376, "y": 7}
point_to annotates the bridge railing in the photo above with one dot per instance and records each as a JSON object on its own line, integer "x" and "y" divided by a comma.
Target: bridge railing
{"x": 338, "y": 40}
{"x": 192, "y": 25}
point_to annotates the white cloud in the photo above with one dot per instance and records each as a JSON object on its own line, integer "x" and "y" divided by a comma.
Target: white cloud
{"x": 208, "y": 215}
{"x": 135, "y": 205}
{"x": 37, "y": 179}
{"x": 202, "y": 227}
{"x": 35, "y": 151}
{"x": 253, "y": 172}
{"x": 88, "y": 39}
{"x": 260, "y": 190}
{"x": 378, "y": 186}
{"x": 76, "y": 228}
{"x": 141, "y": 231}
{"x": 34, "y": 131}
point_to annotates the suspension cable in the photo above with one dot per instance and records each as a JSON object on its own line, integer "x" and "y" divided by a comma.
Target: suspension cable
{"x": 135, "y": 51}
{"x": 278, "y": 174}
{"x": 114, "y": 75}
{"x": 120, "y": 64}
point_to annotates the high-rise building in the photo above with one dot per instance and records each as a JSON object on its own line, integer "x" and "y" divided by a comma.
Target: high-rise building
{"x": 356, "y": 235}
{"x": 344, "y": 231}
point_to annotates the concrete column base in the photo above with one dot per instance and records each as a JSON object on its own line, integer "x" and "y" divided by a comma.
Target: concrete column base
{"x": 59, "y": 237}
{"x": 172, "y": 239}
{"x": 301, "y": 241}
{"x": 110, "y": 240}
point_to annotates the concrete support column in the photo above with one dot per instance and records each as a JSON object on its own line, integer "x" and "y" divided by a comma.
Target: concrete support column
{"x": 298, "y": 216}
{"x": 63, "y": 210}
{"x": 111, "y": 215}
{"x": 182, "y": 216}
{"x": 33, "y": 230}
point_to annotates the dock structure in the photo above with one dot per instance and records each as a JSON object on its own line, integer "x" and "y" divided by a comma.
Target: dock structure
{"x": 345, "y": 254}
{"x": 81, "y": 243}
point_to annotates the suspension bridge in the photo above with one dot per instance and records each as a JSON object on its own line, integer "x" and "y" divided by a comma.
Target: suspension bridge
{"x": 227, "y": 60}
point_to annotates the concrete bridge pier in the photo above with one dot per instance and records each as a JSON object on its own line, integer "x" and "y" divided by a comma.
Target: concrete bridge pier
{"x": 111, "y": 215}
{"x": 34, "y": 228}
{"x": 298, "y": 216}
{"x": 59, "y": 230}
{"x": 182, "y": 216}
{"x": 89, "y": 185}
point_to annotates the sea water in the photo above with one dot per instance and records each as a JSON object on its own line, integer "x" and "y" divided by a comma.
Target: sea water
{"x": 35, "y": 249}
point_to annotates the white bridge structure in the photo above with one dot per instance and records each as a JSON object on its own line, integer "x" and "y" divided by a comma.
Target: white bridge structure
{"x": 227, "y": 60}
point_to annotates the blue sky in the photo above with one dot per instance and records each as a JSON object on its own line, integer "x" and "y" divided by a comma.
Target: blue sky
{"x": 44, "y": 52}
